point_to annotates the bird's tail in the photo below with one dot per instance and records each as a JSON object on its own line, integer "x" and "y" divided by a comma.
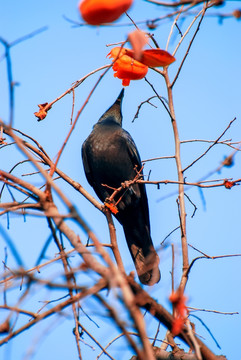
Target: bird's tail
{"x": 144, "y": 256}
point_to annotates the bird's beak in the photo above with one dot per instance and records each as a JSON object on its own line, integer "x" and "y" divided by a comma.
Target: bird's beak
{"x": 120, "y": 97}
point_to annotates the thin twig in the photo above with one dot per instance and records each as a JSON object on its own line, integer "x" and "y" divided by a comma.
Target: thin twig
{"x": 162, "y": 243}
{"x": 191, "y": 42}
{"x": 213, "y": 311}
{"x": 56, "y": 309}
{"x": 141, "y": 104}
{"x": 173, "y": 24}
{"x": 96, "y": 341}
{"x": 210, "y": 147}
{"x": 120, "y": 324}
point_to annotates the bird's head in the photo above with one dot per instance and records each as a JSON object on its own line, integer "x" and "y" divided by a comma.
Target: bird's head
{"x": 114, "y": 112}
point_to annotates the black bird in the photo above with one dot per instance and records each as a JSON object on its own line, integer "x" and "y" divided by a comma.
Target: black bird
{"x": 110, "y": 157}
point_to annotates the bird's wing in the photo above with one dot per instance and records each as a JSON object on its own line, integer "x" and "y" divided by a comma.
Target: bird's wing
{"x": 101, "y": 192}
{"x": 84, "y": 153}
{"x": 132, "y": 150}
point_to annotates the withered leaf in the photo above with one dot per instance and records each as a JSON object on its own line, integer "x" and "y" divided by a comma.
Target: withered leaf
{"x": 229, "y": 184}
{"x": 42, "y": 113}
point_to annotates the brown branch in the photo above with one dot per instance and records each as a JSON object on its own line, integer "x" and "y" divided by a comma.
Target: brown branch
{"x": 14, "y": 206}
{"x": 173, "y": 355}
{"x": 141, "y": 104}
{"x": 113, "y": 240}
{"x": 111, "y": 274}
{"x": 70, "y": 278}
{"x": 48, "y": 178}
{"x": 47, "y": 106}
{"x": 191, "y": 42}
{"x": 210, "y": 147}
{"x": 213, "y": 311}
{"x": 42, "y": 154}
{"x": 160, "y": 313}
{"x": 121, "y": 326}
{"x": 24, "y": 184}
{"x": 159, "y": 97}
{"x": 39, "y": 146}
{"x": 37, "y": 268}
{"x": 11, "y": 170}
{"x": 107, "y": 68}
{"x": 205, "y": 256}
{"x": 228, "y": 143}
{"x": 56, "y": 309}
{"x": 159, "y": 158}
{"x": 17, "y": 310}
{"x": 183, "y": 2}
{"x": 220, "y": 256}
{"x": 97, "y": 342}
{"x": 202, "y": 184}
{"x": 51, "y": 211}
{"x": 76, "y": 119}
{"x": 171, "y": 232}
{"x": 181, "y": 181}
{"x": 172, "y": 28}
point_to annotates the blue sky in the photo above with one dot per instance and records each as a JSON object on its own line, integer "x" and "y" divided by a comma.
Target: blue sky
{"x": 206, "y": 99}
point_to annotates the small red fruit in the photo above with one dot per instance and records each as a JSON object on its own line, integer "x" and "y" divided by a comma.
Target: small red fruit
{"x": 97, "y": 12}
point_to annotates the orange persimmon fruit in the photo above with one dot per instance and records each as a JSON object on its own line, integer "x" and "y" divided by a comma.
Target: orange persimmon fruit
{"x": 125, "y": 67}
{"x": 153, "y": 57}
{"x": 180, "y": 311}
{"x": 97, "y": 12}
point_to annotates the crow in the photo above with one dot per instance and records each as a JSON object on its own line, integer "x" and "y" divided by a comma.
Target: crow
{"x": 110, "y": 158}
